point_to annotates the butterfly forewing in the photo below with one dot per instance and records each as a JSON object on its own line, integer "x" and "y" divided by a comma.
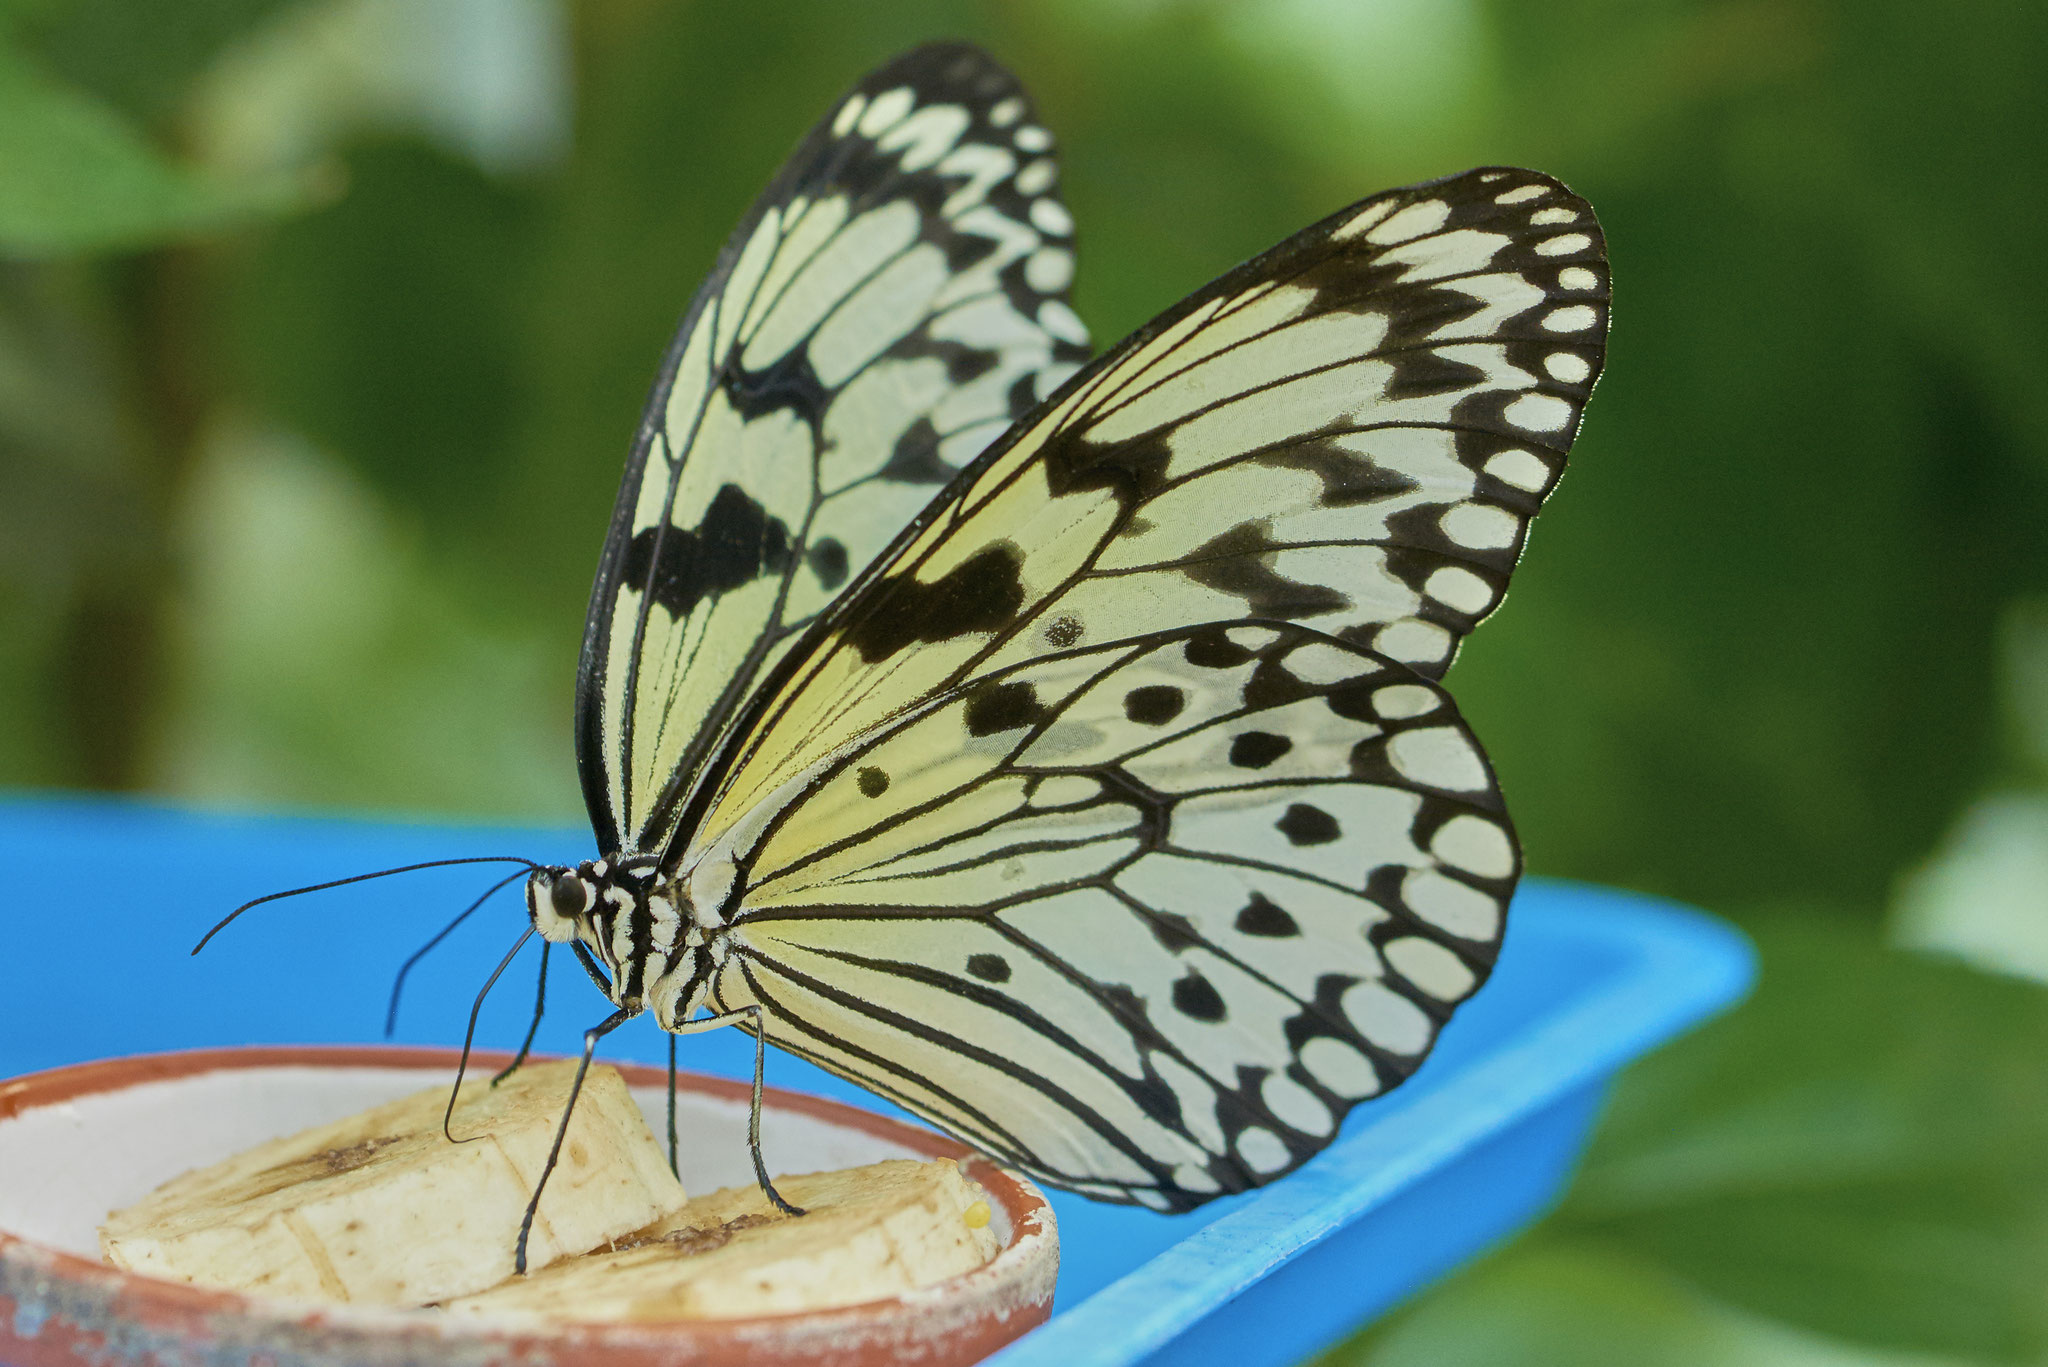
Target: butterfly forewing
{"x": 1117, "y": 822}
{"x": 1350, "y": 432}
{"x": 891, "y": 305}
{"x": 1144, "y": 918}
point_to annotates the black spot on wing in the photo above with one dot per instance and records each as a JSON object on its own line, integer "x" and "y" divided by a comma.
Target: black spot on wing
{"x": 1306, "y": 825}
{"x": 1257, "y": 749}
{"x": 990, "y": 968}
{"x": 1154, "y": 704}
{"x": 1001, "y": 707}
{"x": 827, "y": 558}
{"x": 981, "y": 593}
{"x": 1261, "y": 916}
{"x": 1063, "y": 631}
{"x": 737, "y": 542}
{"x": 872, "y": 780}
{"x": 1195, "y": 997}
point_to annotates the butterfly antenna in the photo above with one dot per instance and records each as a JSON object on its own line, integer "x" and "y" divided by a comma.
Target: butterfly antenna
{"x": 228, "y": 919}
{"x": 398, "y": 983}
{"x": 469, "y": 1035}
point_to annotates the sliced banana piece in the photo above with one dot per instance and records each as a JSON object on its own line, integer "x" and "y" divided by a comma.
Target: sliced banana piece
{"x": 867, "y": 1233}
{"x": 381, "y": 1208}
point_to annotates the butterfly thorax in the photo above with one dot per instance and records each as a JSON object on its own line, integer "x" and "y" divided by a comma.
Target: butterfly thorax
{"x": 638, "y": 922}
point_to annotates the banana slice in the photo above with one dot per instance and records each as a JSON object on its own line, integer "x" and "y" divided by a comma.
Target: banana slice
{"x": 867, "y": 1233}
{"x": 380, "y": 1207}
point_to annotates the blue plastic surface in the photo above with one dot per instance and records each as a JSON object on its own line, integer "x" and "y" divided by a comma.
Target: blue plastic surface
{"x": 111, "y": 895}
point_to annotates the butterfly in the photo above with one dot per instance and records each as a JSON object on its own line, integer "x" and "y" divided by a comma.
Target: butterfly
{"x": 1057, "y": 747}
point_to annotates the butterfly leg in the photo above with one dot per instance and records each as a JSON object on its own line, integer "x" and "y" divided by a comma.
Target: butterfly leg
{"x": 751, "y": 1015}
{"x": 672, "y": 1108}
{"x": 469, "y": 1035}
{"x": 590, "y": 1039}
{"x": 540, "y": 1005}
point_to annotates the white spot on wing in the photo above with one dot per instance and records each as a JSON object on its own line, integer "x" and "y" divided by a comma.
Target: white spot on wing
{"x": 1295, "y": 1105}
{"x": 1261, "y": 1149}
{"x": 1050, "y": 217}
{"x": 1523, "y": 469}
{"x": 1398, "y": 702}
{"x": 1361, "y": 221}
{"x": 1479, "y": 526}
{"x": 1438, "y": 757}
{"x": 1413, "y": 641}
{"x": 1451, "y": 906}
{"x": 926, "y": 136}
{"x": 1476, "y": 845}
{"x": 886, "y": 109}
{"x": 1062, "y": 322}
{"x": 1539, "y": 413}
{"x": 1387, "y": 1018}
{"x": 1570, "y": 318}
{"x": 1431, "y": 967}
{"x": 1411, "y": 222}
{"x": 1567, "y": 366}
{"x": 1340, "y": 1067}
{"x": 1457, "y": 587}
{"x": 1049, "y": 269}
{"x": 1317, "y": 663}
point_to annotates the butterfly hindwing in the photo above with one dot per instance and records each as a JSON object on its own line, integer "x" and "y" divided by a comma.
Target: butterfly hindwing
{"x": 1146, "y": 918}
{"x": 890, "y": 305}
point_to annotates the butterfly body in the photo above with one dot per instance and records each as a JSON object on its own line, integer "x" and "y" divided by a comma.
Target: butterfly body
{"x": 1059, "y": 750}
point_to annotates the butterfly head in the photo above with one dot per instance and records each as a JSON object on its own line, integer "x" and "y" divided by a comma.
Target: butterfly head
{"x": 634, "y": 921}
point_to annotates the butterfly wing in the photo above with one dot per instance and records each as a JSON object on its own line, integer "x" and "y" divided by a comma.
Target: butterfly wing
{"x": 891, "y": 304}
{"x": 1145, "y": 919}
{"x": 1350, "y": 432}
{"x": 1117, "y": 822}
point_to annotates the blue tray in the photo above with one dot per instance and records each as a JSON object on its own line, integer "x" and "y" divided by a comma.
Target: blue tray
{"x": 1476, "y": 1145}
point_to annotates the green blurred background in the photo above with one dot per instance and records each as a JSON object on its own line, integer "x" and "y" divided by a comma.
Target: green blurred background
{"x": 324, "y": 325}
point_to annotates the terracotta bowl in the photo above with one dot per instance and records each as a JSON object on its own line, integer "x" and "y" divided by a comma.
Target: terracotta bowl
{"x": 78, "y": 1142}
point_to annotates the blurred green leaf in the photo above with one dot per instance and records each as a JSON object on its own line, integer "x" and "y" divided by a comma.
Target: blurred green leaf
{"x": 384, "y": 327}
{"x": 141, "y": 57}
{"x": 75, "y": 178}
{"x": 1552, "y": 1302}
{"x": 1861, "y": 1150}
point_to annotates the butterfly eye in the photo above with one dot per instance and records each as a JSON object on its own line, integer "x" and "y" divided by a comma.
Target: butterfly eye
{"x": 568, "y": 895}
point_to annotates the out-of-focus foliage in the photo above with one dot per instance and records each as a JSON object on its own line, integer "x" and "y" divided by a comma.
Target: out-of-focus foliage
{"x": 1856, "y": 1154}
{"x": 324, "y": 325}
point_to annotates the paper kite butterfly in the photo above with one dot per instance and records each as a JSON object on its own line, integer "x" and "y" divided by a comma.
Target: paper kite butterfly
{"x": 1056, "y": 747}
